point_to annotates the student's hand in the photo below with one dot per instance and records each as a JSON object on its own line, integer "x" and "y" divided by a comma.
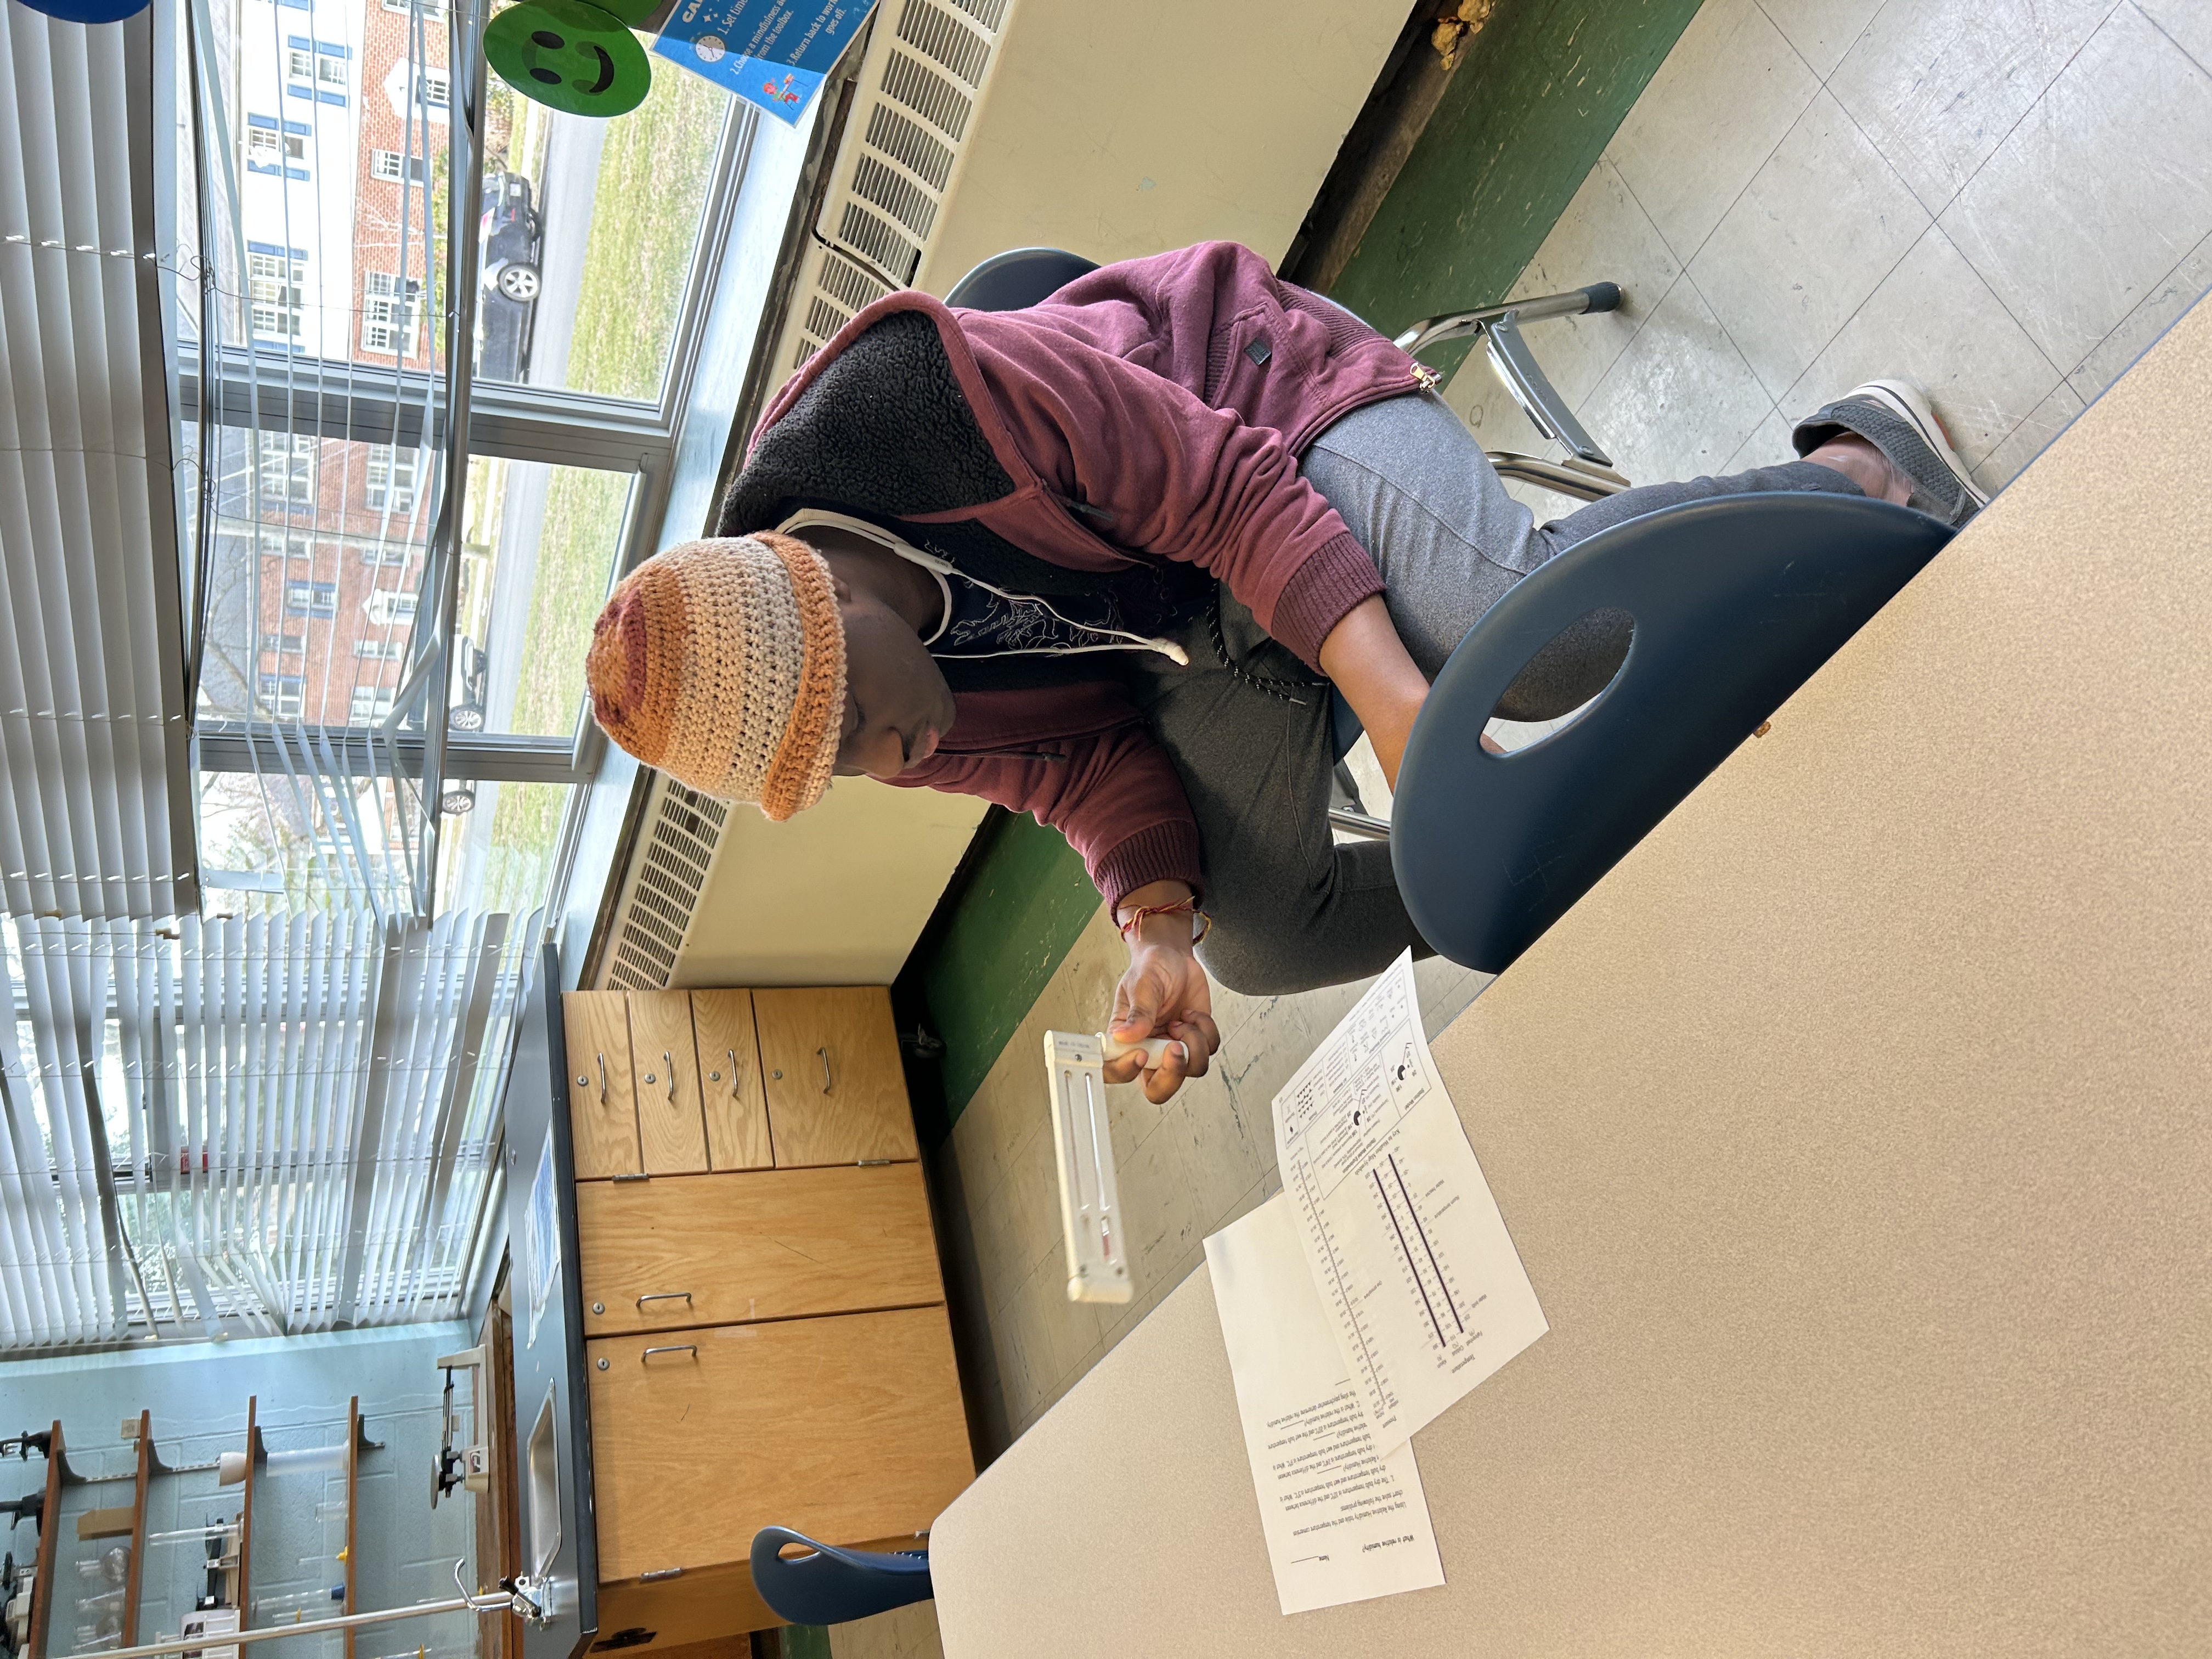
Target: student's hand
{"x": 1364, "y": 659}
{"x": 1163, "y": 994}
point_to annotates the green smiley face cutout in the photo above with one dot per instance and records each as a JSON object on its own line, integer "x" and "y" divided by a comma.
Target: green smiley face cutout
{"x": 568, "y": 56}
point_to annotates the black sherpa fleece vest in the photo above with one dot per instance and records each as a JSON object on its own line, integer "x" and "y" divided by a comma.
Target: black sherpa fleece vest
{"x": 884, "y": 432}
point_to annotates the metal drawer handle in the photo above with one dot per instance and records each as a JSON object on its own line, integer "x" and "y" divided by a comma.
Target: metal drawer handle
{"x": 603, "y": 1079}
{"x": 669, "y": 1060}
{"x": 733, "y": 1073}
{"x": 824, "y": 1054}
{"x": 691, "y": 1348}
{"x": 665, "y": 1296}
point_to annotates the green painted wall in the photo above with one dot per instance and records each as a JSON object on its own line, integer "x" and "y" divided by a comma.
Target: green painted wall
{"x": 1519, "y": 127}
{"x": 1026, "y": 900}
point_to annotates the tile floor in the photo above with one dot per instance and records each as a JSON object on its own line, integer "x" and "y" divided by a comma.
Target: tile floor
{"x": 2006, "y": 200}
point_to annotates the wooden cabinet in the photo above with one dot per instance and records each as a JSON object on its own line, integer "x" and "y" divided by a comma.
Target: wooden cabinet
{"x": 844, "y": 1428}
{"x": 734, "y": 1249}
{"x": 762, "y": 1301}
{"x": 670, "y": 1127}
{"x": 830, "y": 1062}
{"x": 730, "y": 1079}
{"x": 602, "y": 1105}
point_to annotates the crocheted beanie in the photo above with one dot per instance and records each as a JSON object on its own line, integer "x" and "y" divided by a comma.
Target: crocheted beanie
{"x": 723, "y": 663}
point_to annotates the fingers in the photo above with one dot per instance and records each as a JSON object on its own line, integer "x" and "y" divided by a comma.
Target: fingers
{"x": 1163, "y": 1080}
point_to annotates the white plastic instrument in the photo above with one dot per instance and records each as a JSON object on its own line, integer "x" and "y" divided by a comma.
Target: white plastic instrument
{"x": 1090, "y": 1205}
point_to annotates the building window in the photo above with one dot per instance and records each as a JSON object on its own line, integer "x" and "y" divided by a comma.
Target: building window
{"x": 287, "y": 468}
{"x": 285, "y": 694}
{"x": 433, "y": 86}
{"x": 299, "y": 63}
{"x": 388, "y": 308}
{"x": 391, "y": 485}
{"x": 330, "y": 71}
{"x": 284, "y": 645}
{"x": 387, "y": 607}
{"x": 274, "y": 285}
{"x": 370, "y": 703}
{"x": 311, "y": 598}
{"x": 380, "y": 650}
{"x": 391, "y": 167}
{"x": 428, "y": 8}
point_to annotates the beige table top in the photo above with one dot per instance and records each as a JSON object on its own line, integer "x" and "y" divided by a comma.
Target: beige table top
{"x": 1856, "y": 1131}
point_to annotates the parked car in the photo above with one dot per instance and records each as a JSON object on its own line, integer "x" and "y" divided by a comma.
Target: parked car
{"x": 470, "y": 667}
{"x": 509, "y": 244}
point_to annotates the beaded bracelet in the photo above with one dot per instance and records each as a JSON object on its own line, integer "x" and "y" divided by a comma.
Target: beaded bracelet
{"x": 1202, "y": 924}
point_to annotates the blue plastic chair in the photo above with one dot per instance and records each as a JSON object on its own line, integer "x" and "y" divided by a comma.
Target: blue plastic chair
{"x": 1737, "y": 601}
{"x": 832, "y": 1586}
{"x": 1018, "y": 277}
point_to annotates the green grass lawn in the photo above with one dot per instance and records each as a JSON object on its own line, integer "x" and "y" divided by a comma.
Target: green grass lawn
{"x": 645, "y": 224}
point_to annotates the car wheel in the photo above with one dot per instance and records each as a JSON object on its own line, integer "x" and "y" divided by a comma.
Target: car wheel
{"x": 518, "y": 283}
{"x": 467, "y": 720}
{"x": 454, "y": 802}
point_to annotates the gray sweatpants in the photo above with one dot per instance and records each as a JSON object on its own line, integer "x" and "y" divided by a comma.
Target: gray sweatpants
{"x": 1248, "y": 726}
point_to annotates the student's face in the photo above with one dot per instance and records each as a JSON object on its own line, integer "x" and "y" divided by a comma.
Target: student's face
{"x": 897, "y": 706}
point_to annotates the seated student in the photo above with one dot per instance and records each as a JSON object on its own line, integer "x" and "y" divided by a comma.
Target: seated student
{"x": 1098, "y": 560}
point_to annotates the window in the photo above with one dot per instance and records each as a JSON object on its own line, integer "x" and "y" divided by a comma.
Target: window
{"x": 429, "y": 8}
{"x": 391, "y": 481}
{"x": 330, "y": 71}
{"x": 284, "y": 645}
{"x": 284, "y": 695}
{"x": 387, "y": 607}
{"x": 388, "y": 308}
{"x": 393, "y": 167}
{"x": 370, "y": 703}
{"x": 311, "y": 598}
{"x": 273, "y": 283}
{"x": 287, "y": 468}
{"x": 299, "y": 63}
{"x": 380, "y": 650}
{"x": 434, "y": 87}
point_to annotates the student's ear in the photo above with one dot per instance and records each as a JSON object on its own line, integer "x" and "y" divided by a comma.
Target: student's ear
{"x": 840, "y": 588}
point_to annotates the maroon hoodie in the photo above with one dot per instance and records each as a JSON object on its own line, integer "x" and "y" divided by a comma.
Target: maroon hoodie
{"x": 1154, "y": 410}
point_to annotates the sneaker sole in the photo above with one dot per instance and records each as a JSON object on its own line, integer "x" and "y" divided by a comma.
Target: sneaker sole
{"x": 1908, "y": 403}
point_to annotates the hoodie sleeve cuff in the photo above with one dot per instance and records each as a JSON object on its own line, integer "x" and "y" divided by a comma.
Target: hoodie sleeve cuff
{"x": 1321, "y": 593}
{"x": 1160, "y": 852}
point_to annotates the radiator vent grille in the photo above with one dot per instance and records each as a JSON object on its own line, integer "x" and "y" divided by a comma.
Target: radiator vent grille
{"x": 668, "y": 872}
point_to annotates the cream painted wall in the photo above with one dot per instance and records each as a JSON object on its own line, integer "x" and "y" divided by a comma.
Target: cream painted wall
{"x": 834, "y": 896}
{"x": 1122, "y": 129}
{"x": 1115, "y": 128}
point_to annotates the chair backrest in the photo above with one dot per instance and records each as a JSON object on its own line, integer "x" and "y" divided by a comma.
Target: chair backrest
{"x": 1021, "y": 276}
{"x": 1737, "y": 601}
{"x": 834, "y": 1585}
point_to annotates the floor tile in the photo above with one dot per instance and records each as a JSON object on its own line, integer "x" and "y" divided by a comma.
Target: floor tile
{"x": 2101, "y": 190}
{"x": 1937, "y": 84}
{"x": 1815, "y": 231}
{"x": 1768, "y": 446}
{"x": 1226, "y": 1135}
{"x": 1935, "y": 321}
{"x": 1030, "y": 1196}
{"x": 1709, "y": 117}
{"x": 1681, "y": 399}
{"x": 1604, "y": 236}
{"x": 2182, "y": 288}
{"x": 2188, "y": 22}
{"x": 907, "y": 1632}
{"x": 1822, "y": 31}
{"x": 1158, "y": 1206}
{"x": 2027, "y": 440}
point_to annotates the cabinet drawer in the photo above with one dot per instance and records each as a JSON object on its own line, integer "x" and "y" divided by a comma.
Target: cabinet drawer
{"x": 718, "y": 1249}
{"x": 602, "y": 1108}
{"x": 836, "y": 1093}
{"x": 847, "y": 1429}
{"x": 730, "y": 1077}
{"x": 670, "y": 1125}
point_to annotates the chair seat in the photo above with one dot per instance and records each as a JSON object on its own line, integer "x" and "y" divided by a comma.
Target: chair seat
{"x": 1737, "y": 601}
{"x": 832, "y": 1586}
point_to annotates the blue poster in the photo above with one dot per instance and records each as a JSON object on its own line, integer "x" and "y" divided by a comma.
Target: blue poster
{"x": 773, "y": 53}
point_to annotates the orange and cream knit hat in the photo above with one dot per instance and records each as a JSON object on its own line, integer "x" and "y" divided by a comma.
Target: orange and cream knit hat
{"x": 723, "y": 663}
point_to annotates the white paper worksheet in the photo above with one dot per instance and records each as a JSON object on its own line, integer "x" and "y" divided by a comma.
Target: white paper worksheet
{"x": 1424, "y": 1289}
{"x": 1342, "y": 1523}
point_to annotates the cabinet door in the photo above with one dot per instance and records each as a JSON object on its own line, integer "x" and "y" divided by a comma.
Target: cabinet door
{"x": 845, "y": 1429}
{"x": 835, "y": 1094}
{"x": 602, "y": 1108}
{"x": 729, "y": 1072}
{"x": 670, "y": 1127}
{"x": 721, "y": 1250}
